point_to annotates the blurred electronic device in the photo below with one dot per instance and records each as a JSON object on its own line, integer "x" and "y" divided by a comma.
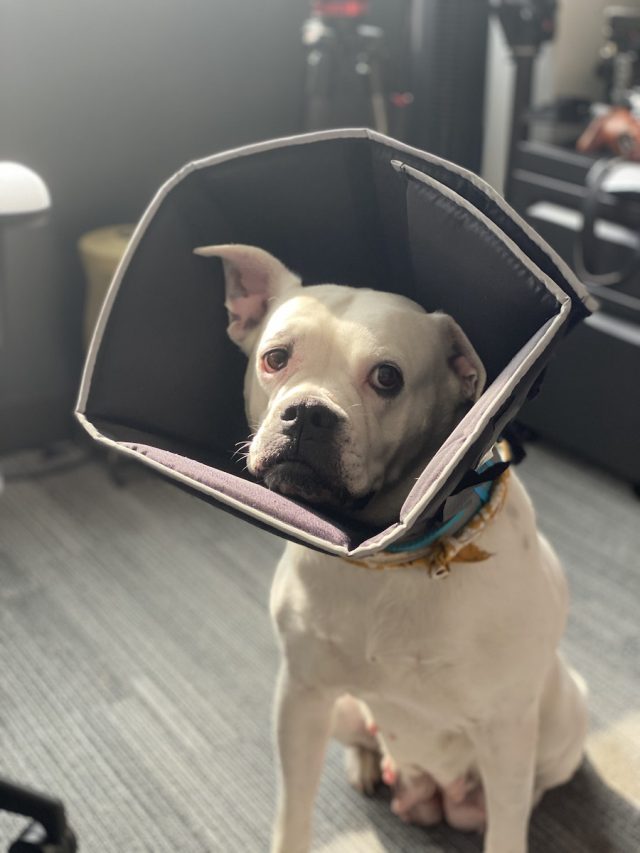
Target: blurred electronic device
{"x": 588, "y": 402}
{"x": 413, "y": 69}
{"x": 619, "y": 64}
{"x": 344, "y": 76}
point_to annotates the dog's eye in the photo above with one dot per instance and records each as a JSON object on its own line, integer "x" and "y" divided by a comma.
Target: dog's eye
{"x": 386, "y": 379}
{"x": 275, "y": 359}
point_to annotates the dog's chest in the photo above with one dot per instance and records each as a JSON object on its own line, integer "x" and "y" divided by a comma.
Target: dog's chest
{"x": 367, "y": 632}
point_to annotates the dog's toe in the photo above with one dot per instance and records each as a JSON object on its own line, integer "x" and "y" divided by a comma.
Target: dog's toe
{"x": 363, "y": 768}
{"x": 417, "y": 800}
{"x": 464, "y": 805}
{"x": 426, "y": 813}
{"x": 423, "y": 813}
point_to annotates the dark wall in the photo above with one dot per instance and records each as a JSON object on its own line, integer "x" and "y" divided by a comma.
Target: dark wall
{"x": 107, "y": 99}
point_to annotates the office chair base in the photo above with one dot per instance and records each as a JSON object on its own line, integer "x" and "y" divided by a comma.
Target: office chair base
{"x": 35, "y": 839}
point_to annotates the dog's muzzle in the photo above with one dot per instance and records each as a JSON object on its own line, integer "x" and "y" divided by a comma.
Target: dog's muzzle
{"x": 304, "y": 459}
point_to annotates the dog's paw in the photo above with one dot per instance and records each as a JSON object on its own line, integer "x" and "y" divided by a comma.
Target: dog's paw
{"x": 417, "y": 800}
{"x": 363, "y": 769}
{"x": 464, "y": 805}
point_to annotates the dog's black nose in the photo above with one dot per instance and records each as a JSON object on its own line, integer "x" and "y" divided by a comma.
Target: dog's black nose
{"x": 314, "y": 421}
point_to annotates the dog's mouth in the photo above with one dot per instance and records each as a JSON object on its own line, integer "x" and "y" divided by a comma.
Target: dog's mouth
{"x": 297, "y": 479}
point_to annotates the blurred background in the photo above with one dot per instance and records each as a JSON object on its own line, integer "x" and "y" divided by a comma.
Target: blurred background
{"x": 99, "y": 104}
{"x": 104, "y": 105}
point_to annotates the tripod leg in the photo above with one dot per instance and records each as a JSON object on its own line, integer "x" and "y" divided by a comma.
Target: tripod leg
{"x": 378, "y": 100}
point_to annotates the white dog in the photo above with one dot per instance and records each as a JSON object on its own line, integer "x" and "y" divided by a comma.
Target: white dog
{"x": 452, "y": 689}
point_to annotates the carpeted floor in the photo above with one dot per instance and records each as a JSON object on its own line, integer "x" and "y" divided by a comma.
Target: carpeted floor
{"x": 138, "y": 664}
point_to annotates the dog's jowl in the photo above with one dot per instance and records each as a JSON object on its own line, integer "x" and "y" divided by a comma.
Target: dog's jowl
{"x": 438, "y": 668}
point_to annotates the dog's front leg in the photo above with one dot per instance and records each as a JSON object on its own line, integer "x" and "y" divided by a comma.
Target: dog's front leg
{"x": 303, "y": 721}
{"x": 506, "y": 753}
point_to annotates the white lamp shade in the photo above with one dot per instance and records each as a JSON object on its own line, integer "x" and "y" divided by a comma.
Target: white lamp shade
{"x": 22, "y": 191}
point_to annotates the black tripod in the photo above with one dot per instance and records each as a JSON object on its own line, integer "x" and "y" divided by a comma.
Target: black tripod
{"x": 344, "y": 85}
{"x": 527, "y": 25}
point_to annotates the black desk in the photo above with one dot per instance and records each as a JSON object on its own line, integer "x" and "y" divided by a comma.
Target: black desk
{"x": 590, "y": 400}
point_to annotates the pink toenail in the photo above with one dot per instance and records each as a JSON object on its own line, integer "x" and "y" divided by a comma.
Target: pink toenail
{"x": 389, "y": 775}
{"x": 372, "y": 729}
{"x": 457, "y": 790}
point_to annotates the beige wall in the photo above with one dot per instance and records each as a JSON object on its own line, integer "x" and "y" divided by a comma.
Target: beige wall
{"x": 579, "y": 38}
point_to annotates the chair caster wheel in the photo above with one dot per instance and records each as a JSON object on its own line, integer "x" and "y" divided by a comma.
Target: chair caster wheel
{"x": 36, "y": 840}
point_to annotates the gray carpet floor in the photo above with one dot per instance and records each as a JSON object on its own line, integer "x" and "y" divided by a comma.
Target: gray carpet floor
{"x": 138, "y": 664}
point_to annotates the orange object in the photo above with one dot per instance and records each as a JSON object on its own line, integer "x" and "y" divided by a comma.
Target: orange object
{"x": 618, "y": 131}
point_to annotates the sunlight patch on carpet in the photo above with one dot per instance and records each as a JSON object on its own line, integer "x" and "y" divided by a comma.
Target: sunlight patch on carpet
{"x": 615, "y": 752}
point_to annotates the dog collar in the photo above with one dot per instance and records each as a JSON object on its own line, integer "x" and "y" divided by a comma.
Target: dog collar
{"x": 468, "y": 499}
{"x": 452, "y": 541}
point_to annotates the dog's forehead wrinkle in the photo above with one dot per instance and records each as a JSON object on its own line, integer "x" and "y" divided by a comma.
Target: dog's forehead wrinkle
{"x": 359, "y": 322}
{"x": 298, "y": 317}
{"x": 347, "y": 303}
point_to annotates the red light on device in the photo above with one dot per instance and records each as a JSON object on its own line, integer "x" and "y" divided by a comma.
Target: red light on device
{"x": 401, "y": 99}
{"x": 340, "y": 8}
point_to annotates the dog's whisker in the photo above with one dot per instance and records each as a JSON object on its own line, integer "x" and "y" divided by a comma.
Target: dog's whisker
{"x": 240, "y": 451}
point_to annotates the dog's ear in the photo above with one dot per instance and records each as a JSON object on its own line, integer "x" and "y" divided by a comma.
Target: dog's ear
{"x": 252, "y": 278}
{"x": 462, "y": 358}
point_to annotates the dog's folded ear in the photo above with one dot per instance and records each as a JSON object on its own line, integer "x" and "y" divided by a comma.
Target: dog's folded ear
{"x": 252, "y": 278}
{"x": 463, "y": 360}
